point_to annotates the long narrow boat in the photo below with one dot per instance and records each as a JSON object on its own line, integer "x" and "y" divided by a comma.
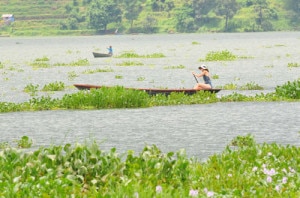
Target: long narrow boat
{"x": 100, "y": 55}
{"x": 150, "y": 91}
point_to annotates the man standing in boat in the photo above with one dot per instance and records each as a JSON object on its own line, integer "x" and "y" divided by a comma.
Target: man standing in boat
{"x": 110, "y": 50}
{"x": 206, "y": 78}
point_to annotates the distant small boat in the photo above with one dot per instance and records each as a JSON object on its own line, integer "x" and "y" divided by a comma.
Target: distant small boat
{"x": 101, "y": 55}
{"x": 150, "y": 91}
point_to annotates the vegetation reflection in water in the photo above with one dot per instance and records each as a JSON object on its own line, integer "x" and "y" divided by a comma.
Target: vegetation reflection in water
{"x": 244, "y": 169}
{"x": 119, "y": 97}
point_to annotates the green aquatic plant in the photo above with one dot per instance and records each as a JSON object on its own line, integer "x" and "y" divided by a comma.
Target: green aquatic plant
{"x": 128, "y": 55}
{"x": 223, "y": 55}
{"x": 269, "y": 66}
{"x": 4, "y": 145}
{"x": 141, "y": 78}
{"x": 118, "y": 77}
{"x": 89, "y": 71}
{"x": 41, "y": 62}
{"x": 290, "y": 65}
{"x": 120, "y": 97}
{"x": 251, "y": 86}
{"x": 84, "y": 170}
{"x": 24, "y": 142}
{"x": 235, "y": 97}
{"x": 248, "y": 86}
{"x": 215, "y": 76}
{"x": 175, "y": 67}
{"x": 135, "y": 55}
{"x": 43, "y": 59}
{"x": 80, "y": 62}
{"x": 243, "y": 141}
{"x": 229, "y": 86}
{"x": 72, "y": 75}
{"x": 289, "y": 90}
{"x": 55, "y": 86}
{"x": 1, "y": 65}
{"x": 114, "y": 97}
{"x": 31, "y": 89}
{"x": 130, "y": 63}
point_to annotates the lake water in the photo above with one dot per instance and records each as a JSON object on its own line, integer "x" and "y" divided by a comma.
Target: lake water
{"x": 200, "y": 129}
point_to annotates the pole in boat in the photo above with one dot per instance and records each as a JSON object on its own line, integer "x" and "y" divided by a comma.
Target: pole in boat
{"x": 195, "y": 78}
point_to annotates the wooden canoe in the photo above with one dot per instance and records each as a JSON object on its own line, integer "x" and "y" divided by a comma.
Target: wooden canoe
{"x": 100, "y": 55}
{"x": 150, "y": 91}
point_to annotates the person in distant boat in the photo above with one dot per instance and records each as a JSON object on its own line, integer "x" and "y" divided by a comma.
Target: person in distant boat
{"x": 110, "y": 50}
{"x": 206, "y": 77}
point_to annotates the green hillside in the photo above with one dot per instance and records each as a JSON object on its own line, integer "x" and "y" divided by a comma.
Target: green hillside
{"x": 88, "y": 17}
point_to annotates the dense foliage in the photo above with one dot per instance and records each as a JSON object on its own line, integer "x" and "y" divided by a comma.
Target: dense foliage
{"x": 243, "y": 169}
{"x": 148, "y": 16}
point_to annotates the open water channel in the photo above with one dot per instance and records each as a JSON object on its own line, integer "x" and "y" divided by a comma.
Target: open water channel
{"x": 199, "y": 129}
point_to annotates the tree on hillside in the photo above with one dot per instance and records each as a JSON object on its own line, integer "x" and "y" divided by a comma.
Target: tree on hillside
{"x": 74, "y": 18}
{"x": 201, "y": 8}
{"x": 294, "y": 7}
{"x": 132, "y": 9}
{"x": 261, "y": 7}
{"x": 226, "y": 8}
{"x": 103, "y": 12}
{"x": 185, "y": 19}
{"x": 194, "y": 14}
{"x": 162, "y": 5}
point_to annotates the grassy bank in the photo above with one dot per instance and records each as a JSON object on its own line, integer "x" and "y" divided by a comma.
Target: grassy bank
{"x": 243, "y": 169}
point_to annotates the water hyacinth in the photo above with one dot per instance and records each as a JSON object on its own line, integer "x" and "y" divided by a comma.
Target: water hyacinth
{"x": 87, "y": 171}
{"x": 208, "y": 193}
{"x": 193, "y": 193}
{"x": 158, "y": 189}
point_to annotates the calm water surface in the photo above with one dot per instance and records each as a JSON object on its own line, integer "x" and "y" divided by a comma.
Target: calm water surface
{"x": 200, "y": 129}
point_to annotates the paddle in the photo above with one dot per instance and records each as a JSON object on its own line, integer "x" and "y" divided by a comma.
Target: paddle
{"x": 195, "y": 78}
